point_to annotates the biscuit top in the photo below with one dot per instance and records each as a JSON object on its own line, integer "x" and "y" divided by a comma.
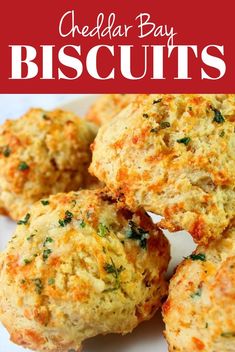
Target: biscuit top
{"x": 79, "y": 265}
{"x": 199, "y": 312}
{"x": 173, "y": 155}
{"x": 42, "y": 153}
{"x": 107, "y": 106}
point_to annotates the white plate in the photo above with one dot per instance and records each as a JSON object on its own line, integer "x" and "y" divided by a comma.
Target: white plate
{"x": 148, "y": 336}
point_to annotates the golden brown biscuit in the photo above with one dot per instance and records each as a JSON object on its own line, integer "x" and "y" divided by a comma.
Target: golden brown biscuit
{"x": 42, "y": 153}
{"x": 173, "y": 155}
{"x": 200, "y": 310}
{"x": 107, "y": 106}
{"x": 77, "y": 266}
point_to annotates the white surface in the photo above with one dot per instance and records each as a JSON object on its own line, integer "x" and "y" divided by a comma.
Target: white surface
{"x": 15, "y": 105}
{"x": 148, "y": 336}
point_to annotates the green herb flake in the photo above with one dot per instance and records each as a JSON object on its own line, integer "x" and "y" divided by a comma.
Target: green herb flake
{"x": 6, "y": 151}
{"x": 38, "y": 285}
{"x": 115, "y": 272}
{"x": 74, "y": 202}
{"x": 146, "y": 116}
{"x": 47, "y": 240}
{"x": 82, "y": 223}
{"x": 157, "y": 101}
{"x": 111, "y": 269}
{"x": 25, "y": 220}
{"x": 190, "y": 108}
{"x": 30, "y": 237}
{"x": 51, "y": 281}
{"x": 165, "y": 124}
{"x": 23, "y": 281}
{"x": 45, "y": 202}
{"x": 67, "y": 219}
{"x": 137, "y": 233}
{"x": 162, "y": 126}
{"x": 197, "y": 293}
{"x": 23, "y": 166}
{"x": 46, "y": 254}
{"x": 218, "y": 117}
{"x": 88, "y": 214}
{"x": 199, "y": 256}
{"x": 102, "y": 230}
{"x": 222, "y": 133}
{"x": 184, "y": 140}
{"x": 45, "y": 117}
{"x": 228, "y": 334}
{"x": 27, "y": 261}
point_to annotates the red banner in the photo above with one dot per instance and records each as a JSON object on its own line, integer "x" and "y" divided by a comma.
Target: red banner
{"x": 119, "y": 46}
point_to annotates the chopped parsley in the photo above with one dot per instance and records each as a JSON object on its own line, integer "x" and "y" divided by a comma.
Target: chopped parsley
{"x": 190, "y": 108}
{"x": 157, "y": 101}
{"x": 146, "y": 116}
{"x": 222, "y": 133}
{"x": 102, "y": 230}
{"x": 38, "y": 285}
{"x": 47, "y": 240}
{"x": 88, "y": 214}
{"x": 74, "y": 202}
{"x": 82, "y": 223}
{"x": 184, "y": 140}
{"x": 45, "y": 117}
{"x": 67, "y": 219}
{"x": 25, "y": 220}
{"x": 165, "y": 124}
{"x": 51, "y": 281}
{"x": 23, "y": 166}
{"x": 162, "y": 126}
{"x": 30, "y": 237}
{"x": 115, "y": 272}
{"x": 6, "y": 151}
{"x": 228, "y": 334}
{"x": 196, "y": 293}
{"x": 46, "y": 254}
{"x": 27, "y": 261}
{"x": 218, "y": 117}
{"x": 199, "y": 256}
{"x": 137, "y": 233}
{"x": 111, "y": 269}
{"x": 45, "y": 202}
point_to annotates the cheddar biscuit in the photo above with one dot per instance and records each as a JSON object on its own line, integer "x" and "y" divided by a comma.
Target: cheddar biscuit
{"x": 42, "y": 153}
{"x": 107, "y": 106}
{"x": 200, "y": 310}
{"x": 173, "y": 155}
{"x": 79, "y": 265}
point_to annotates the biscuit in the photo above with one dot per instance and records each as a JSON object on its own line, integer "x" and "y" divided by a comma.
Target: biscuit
{"x": 173, "y": 155}
{"x": 42, "y": 153}
{"x": 199, "y": 312}
{"x": 107, "y": 106}
{"x": 77, "y": 266}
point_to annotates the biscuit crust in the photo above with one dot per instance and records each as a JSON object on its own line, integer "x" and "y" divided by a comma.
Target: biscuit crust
{"x": 77, "y": 266}
{"x": 200, "y": 309}
{"x": 42, "y": 153}
{"x": 173, "y": 155}
{"x": 107, "y": 106}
